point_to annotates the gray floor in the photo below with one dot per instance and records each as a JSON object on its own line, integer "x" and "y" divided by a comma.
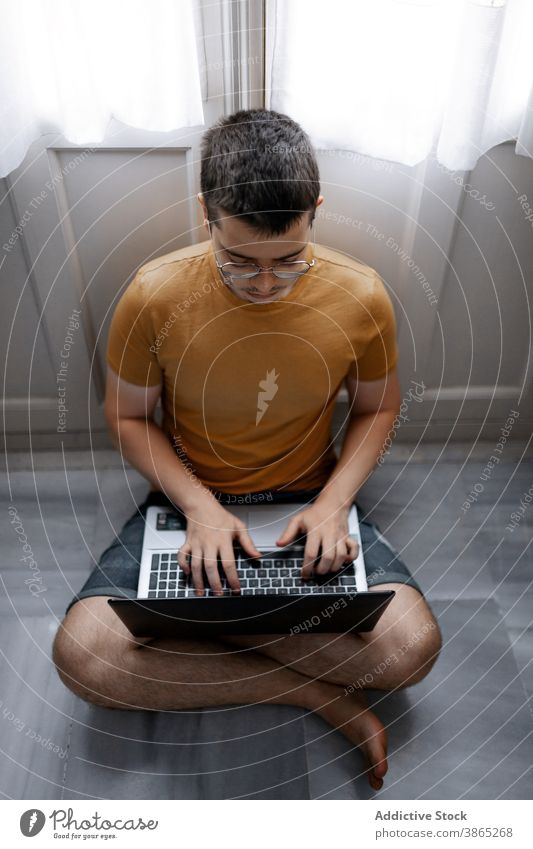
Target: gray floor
{"x": 464, "y": 732}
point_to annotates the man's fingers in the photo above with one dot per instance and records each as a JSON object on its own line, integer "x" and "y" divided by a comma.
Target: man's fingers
{"x": 289, "y": 532}
{"x": 183, "y": 558}
{"x": 353, "y": 548}
{"x": 211, "y": 569}
{"x": 196, "y": 569}
{"x": 327, "y": 558}
{"x": 310, "y": 554}
{"x": 228, "y": 564}
{"x": 341, "y": 556}
{"x": 335, "y": 554}
{"x": 247, "y": 543}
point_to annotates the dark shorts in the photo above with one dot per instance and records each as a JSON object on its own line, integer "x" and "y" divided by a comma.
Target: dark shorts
{"x": 117, "y": 572}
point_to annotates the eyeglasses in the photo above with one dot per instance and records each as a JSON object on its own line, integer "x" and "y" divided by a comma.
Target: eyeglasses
{"x": 248, "y": 270}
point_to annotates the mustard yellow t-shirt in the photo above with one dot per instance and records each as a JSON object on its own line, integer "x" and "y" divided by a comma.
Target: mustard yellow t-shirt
{"x": 249, "y": 388}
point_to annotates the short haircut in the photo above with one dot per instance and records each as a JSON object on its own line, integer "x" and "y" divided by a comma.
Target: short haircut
{"x": 259, "y": 164}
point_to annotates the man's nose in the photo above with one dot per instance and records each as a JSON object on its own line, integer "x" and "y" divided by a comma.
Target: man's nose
{"x": 264, "y": 281}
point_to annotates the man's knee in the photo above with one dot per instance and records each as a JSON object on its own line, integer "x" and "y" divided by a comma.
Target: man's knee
{"x": 417, "y": 652}
{"x": 85, "y": 657}
{"x": 408, "y": 636}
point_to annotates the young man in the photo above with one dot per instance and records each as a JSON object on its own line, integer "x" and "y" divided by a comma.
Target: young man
{"x": 248, "y": 337}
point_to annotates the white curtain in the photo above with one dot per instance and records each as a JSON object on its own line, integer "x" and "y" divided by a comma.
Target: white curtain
{"x": 69, "y": 66}
{"x": 403, "y": 79}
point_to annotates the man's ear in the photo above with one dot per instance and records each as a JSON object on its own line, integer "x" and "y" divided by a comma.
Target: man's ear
{"x": 204, "y": 208}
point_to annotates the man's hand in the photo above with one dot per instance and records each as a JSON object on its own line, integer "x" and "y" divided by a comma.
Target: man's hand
{"x": 326, "y": 529}
{"x": 211, "y": 531}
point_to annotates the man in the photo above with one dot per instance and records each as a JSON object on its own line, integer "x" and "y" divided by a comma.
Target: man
{"x": 247, "y": 338}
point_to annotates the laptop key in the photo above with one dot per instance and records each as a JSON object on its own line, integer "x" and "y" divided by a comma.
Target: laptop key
{"x": 155, "y": 561}
{"x": 262, "y": 573}
{"x": 153, "y": 581}
{"x": 152, "y": 594}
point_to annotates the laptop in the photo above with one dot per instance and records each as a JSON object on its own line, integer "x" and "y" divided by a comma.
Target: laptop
{"x": 274, "y": 599}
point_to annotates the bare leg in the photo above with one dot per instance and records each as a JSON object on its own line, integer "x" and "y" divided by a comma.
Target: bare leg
{"x": 398, "y": 652}
{"x": 98, "y": 659}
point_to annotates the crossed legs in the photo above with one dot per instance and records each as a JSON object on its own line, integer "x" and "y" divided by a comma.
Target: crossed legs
{"x": 98, "y": 659}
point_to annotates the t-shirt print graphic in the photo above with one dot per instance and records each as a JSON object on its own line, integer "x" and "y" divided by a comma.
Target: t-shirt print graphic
{"x": 268, "y": 388}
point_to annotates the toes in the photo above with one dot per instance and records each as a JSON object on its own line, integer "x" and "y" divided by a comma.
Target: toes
{"x": 378, "y": 768}
{"x": 375, "y": 783}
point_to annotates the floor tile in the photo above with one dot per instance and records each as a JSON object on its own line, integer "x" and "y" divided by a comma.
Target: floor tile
{"x": 35, "y": 714}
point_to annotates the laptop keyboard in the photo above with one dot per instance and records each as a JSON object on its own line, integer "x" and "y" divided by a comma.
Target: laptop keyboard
{"x": 277, "y": 575}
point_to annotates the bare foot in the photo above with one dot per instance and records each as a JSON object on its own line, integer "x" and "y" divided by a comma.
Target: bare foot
{"x": 351, "y": 715}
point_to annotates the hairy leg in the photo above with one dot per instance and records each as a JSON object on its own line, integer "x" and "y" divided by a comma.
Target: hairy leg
{"x": 399, "y": 652}
{"x": 98, "y": 659}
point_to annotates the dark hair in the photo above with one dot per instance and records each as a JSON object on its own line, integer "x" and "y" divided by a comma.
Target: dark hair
{"x": 259, "y": 164}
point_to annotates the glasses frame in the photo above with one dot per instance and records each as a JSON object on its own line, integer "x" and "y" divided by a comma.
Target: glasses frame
{"x": 228, "y": 276}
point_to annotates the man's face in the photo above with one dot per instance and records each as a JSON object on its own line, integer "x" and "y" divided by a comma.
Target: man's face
{"x": 234, "y": 241}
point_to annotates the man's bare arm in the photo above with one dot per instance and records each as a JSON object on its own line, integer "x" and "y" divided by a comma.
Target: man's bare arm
{"x": 374, "y": 406}
{"x": 211, "y": 529}
{"x": 129, "y": 411}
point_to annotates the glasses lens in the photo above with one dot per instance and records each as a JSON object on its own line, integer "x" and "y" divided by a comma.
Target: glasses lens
{"x": 239, "y": 271}
{"x": 290, "y": 270}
